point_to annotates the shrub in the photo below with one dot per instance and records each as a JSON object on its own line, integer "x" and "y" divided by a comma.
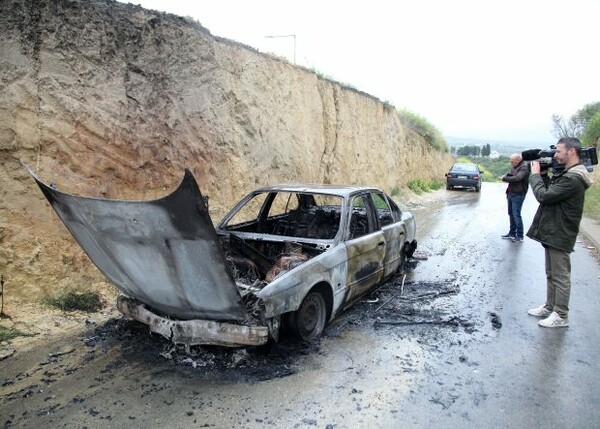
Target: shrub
{"x": 418, "y": 186}
{"x": 7, "y": 334}
{"x": 72, "y": 301}
{"x": 436, "y": 184}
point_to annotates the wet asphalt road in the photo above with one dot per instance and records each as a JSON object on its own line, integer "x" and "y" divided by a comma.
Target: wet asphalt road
{"x": 452, "y": 346}
{"x": 522, "y": 375}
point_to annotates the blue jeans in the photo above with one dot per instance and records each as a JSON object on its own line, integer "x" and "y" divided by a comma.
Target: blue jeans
{"x": 515, "y": 202}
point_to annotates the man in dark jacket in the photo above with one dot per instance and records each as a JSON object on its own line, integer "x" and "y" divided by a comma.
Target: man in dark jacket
{"x": 556, "y": 225}
{"x": 515, "y": 195}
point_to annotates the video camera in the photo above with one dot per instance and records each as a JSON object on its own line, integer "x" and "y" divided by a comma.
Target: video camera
{"x": 546, "y": 159}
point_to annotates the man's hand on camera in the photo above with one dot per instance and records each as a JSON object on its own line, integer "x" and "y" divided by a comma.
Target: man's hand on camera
{"x": 535, "y": 167}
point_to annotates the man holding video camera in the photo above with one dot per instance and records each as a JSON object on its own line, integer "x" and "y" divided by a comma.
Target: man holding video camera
{"x": 556, "y": 225}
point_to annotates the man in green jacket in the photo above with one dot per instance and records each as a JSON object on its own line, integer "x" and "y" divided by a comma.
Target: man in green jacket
{"x": 556, "y": 225}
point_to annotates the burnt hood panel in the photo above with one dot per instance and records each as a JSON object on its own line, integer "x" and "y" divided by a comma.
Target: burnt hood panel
{"x": 165, "y": 252}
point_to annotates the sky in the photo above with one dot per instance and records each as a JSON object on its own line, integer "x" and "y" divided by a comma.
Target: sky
{"x": 477, "y": 69}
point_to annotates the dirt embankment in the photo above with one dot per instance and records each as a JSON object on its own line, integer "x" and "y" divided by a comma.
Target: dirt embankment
{"x": 114, "y": 101}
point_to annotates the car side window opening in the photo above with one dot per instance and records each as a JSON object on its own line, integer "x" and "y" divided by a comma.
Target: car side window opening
{"x": 396, "y": 211}
{"x": 384, "y": 212}
{"x": 361, "y": 219}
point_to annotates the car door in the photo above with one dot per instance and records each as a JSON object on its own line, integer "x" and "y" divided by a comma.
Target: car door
{"x": 390, "y": 221}
{"x": 365, "y": 246}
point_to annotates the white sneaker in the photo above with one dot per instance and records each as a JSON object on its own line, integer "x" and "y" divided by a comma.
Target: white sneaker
{"x": 554, "y": 321}
{"x": 540, "y": 311}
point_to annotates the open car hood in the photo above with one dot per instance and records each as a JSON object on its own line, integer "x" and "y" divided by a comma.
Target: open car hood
{"x": 165, "y": 253}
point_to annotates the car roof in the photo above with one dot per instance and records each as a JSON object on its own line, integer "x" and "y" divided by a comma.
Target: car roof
{"x": 339, "y": 190}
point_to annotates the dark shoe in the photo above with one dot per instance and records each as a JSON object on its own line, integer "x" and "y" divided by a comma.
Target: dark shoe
{"x": 517, "y": 239}
{"x": 508, "y": 236}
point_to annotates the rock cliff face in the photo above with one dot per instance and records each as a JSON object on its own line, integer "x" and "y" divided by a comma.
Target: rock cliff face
{"x": 113, "y": 101}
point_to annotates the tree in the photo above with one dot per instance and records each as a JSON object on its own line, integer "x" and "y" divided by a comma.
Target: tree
{"x": 585, "y": 114}
{"x": 591, "y": 133}
{"x": 576, "y": 125}
{"x": 486, "y": 150}
{"x": 562, "y": 128}
{"x": 468, "y": 150}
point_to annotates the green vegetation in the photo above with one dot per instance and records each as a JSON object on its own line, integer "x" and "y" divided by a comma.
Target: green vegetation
{"x": 494, "y": 168}
{"x": 418, "y": 186}
{"x": 72, "y": 301}
{"x": 592, "y": 203}
{"x": 7, "y": 334}
{"x": 472, "y": 150}
{"x": 584, "y": 124}
{"x": 591, "y": 132}
{"x": 422, "y": 127}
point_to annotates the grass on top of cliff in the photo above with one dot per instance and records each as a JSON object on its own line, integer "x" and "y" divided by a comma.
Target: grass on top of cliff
{"x": 422, "y": 127}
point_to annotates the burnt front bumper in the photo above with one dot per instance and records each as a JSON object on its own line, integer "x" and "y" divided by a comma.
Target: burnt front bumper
{"x": 195, "y": 331}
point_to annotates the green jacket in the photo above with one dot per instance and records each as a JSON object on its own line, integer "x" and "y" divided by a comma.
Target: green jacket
{"x": 556, "y": 221}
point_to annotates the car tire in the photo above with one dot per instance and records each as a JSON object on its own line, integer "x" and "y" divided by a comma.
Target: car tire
{"x": 308, "y": 321}
{"x": 407, "y": 252}
{"x": 402, "y": 264}
{"x": 449, "y": 188}
{"x": 478, "y": 188}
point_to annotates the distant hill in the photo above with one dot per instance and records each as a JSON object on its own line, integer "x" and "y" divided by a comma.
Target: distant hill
{"x": 502, "y": 147}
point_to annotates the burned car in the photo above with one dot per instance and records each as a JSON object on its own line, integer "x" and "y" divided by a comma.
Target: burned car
{"x": 288, "y": 257}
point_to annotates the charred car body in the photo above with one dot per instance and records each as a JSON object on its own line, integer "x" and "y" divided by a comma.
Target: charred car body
{"x": 289, "y": 255}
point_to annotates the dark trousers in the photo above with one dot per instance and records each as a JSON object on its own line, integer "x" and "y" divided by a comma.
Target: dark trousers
{"x": 515, "y": 203}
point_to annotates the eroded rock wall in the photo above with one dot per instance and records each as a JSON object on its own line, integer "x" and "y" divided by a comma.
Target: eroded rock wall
{"x": 111, "y": 100}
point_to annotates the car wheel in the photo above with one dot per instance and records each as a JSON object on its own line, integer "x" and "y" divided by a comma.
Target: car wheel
{"x": 478, "y": 188}
{"x": 308, "y": 321}
{"x": 449, "y": 188}
{"x": 407, "y": 252}
{"x": 402, "y": 263}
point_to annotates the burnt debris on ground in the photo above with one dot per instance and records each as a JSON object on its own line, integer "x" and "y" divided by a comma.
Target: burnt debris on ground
{"x": 397, "y": 303}
{"x": 426, "y": 309}
{"x": 251, "y": 364}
